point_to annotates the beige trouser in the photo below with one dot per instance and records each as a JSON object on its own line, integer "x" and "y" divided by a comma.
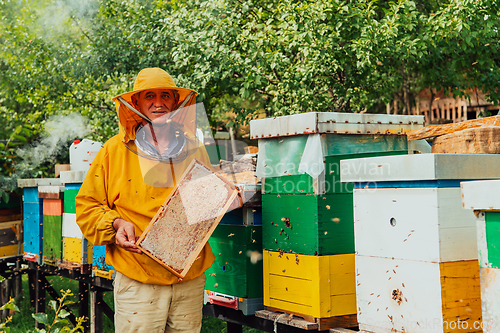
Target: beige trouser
{"x": 148, "y": 308}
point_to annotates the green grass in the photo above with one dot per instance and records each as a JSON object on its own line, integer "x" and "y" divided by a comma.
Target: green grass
{"x": 23, "y": 322}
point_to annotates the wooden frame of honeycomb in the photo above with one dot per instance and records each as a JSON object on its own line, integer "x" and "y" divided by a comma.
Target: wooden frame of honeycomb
{"x": 180, "y": 229}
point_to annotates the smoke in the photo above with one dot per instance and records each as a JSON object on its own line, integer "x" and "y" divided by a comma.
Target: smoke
{"x": 58, "y": 131}
{"x": 54, "y": 17}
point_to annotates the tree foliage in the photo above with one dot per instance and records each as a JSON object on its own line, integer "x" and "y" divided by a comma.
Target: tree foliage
{"x": 243, "y": 56}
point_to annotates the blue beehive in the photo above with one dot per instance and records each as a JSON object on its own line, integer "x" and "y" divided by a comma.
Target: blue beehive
{"x": 33, "y": 216}
{"x": 99, "y": 266}
{"x": 32, "y": 225}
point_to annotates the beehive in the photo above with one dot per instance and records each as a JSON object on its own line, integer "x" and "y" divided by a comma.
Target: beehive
{"x": 306, "y": 210}
{"x": 10, "y": 238}
{"x": 415, "y": 246}
{"x": 77, "y": 251}
{"x": 484, "y": 198}
{"x": 182, "y": 226}
{"x": 33, "y": 216}
{"x": 99, "y": 266}
{"x": 237, "y": 269}
{"x": 317, "y": 286}
{"x": 52, "y": 228}
{"x": 308, "y": 224}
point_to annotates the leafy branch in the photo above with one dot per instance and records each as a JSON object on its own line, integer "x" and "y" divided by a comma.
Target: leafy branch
{"x": 60, "y": 324}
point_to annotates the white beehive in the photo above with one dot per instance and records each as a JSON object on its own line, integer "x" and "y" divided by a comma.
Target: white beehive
{"x": 416, "y": 249}
{"x": 82, "y": 153}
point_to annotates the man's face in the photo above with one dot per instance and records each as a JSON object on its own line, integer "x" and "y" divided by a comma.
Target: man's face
{"x": 154, "y": 103}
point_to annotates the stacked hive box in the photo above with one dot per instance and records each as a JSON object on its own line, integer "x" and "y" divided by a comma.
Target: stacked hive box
{"x": 52, "y": 223}
{"x": 484, "y": 198}
{"x": 77, "y": 252}
{"x": 10, "y": 228}
{"x": 99, "y": 266}
{"x": 235, "y": 278}
{"x": 308, "y": 232}
{"x": 416, "y": 256}
{"x": 33, "y": 217}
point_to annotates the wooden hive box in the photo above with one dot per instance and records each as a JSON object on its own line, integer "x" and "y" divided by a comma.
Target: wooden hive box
{"x": 10, "y": 239}
{"x": 285, "y": 141}
{"x": 76, "y": 249}
{"x": 183, "y": 224}
{"x": 33, "y": 216}
{"x": 415, "y": 246}
{"x": 318, "y": 288}
{"x": 99, "y": 266}
{"x": 308, "y": 224}
{"x": 52, "y": 223}
{"x": 395, "y": 295}
{"x": 484, "y": 198}
{"x": 237, "y": 270}
{"x": 32, "y": 225}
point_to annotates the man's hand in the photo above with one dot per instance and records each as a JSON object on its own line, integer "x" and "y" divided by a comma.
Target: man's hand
{"x": 125, "y": 235}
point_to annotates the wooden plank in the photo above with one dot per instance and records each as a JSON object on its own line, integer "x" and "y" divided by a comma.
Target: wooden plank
{"x": 345, "y": 330}
{"x": 480, "y": 140}
{"x": 461, "y": 295}
{"x": 176, "y": 245}
{"x": 287, "y": 319}
{"x": 431, "y": 131}
{"x": 482, "y": 245}
{"x": 338, "y": 321}
{"x": 490, "y": 289}
{"x": 306, "y": 322}
{"x": 6, "y": 218}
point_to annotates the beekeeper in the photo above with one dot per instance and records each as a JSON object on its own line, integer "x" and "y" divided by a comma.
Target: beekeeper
{"x": 128, "y": 181}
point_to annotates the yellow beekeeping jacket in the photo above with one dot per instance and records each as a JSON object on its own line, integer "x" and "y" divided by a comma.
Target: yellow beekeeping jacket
{"x": 115, "y": 188}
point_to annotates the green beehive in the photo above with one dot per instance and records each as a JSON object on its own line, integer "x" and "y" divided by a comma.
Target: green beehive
{"x": 237, "y": 269}
{"x": 52, "y": 239}
{"x": 69, "y": 200}
{"x": 308, "y": 224}
{"x": 305, "y": 207}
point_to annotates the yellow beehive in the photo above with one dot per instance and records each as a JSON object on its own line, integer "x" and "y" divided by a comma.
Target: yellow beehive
{"x": 10, "y": 236}
{"x": 317, "y": 286}
{"x": 75, "y": 252}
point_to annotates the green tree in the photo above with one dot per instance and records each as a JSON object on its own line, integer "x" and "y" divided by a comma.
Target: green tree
{"x": 244, "y": 56}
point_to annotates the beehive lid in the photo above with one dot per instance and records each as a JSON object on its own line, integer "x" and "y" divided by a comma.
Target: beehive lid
{"x": 420, "y": 167}
{"x": 481, "y": 195}
{"x": 334, "y": 123}
{"x": 69, "y": 177}
{"x": 50, "y": 191}
{"x": 34, "y": 182}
